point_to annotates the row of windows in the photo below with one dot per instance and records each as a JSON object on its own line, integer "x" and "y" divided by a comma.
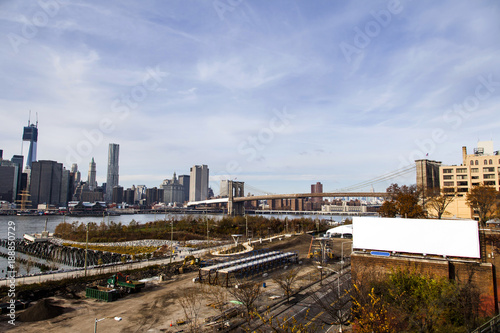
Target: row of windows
{"x": 486, "y": 162}
{"x": 473, "y": 170}
{"x": 488, "y": 183}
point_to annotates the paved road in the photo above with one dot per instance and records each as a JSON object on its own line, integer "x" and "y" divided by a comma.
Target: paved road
{"x": 304, "y": 309}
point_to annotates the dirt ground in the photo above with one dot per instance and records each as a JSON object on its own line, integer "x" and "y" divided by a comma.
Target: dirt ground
{"x": 156, "y": 307}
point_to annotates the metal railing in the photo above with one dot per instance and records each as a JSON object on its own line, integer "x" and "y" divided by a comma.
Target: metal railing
{"x": 491, "y": 326}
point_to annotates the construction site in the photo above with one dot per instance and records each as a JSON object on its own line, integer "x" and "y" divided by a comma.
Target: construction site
{"x": 150, "y": 300}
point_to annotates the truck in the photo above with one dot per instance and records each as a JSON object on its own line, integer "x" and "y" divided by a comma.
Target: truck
{"x": 123, "y": 282}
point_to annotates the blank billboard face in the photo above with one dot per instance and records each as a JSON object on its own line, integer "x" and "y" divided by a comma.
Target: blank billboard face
{"x": 454, "y": 238}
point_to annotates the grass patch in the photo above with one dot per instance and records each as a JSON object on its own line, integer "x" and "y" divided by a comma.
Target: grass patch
{"x": 131, "y": 250}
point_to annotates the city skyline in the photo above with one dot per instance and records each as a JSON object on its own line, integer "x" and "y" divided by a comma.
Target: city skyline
{"x": 280, "y": 95}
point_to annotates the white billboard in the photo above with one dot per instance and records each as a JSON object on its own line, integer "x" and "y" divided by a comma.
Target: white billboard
{"x": 454, "y": 238}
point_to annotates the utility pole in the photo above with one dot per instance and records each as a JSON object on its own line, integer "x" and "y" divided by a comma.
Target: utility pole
{"x": 172, "y": 239}
{"x": 86, "y": 248}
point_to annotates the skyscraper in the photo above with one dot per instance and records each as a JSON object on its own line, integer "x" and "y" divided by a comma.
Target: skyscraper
{"x": 30, "y": 134}
{"x": 317, "y": 188}
{"x": 92, "y": 175}
{"x": 46, "y": 181}
{"x": 198, "y": 187}
{"x": 112, "y": 179}
{"x": 184, "y": 181}
{"x": 9, "y": 172}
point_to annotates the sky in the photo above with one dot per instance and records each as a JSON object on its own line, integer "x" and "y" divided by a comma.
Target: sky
{"x": 278, "y": 94}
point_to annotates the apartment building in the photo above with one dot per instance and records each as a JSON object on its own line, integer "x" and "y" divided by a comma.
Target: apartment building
{"x": 481, "y": 167}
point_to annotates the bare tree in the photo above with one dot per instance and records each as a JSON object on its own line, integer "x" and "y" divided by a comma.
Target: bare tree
{"x": 218, "y": 297}
{"x": 287, "y": 280}
{"x": 335, "y": 302}
{"x": 248, "y": 294}
{"x": 189, "y": 300}
{"x": 438, "y": 202}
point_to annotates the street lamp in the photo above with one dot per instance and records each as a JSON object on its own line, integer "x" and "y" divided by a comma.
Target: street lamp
{"x": 98, "y": 320}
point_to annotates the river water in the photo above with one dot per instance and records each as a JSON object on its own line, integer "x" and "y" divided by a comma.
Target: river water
{"x": 36, "y": 224}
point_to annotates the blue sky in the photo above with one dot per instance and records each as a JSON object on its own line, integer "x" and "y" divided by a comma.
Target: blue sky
{"x": 279, "y": 94}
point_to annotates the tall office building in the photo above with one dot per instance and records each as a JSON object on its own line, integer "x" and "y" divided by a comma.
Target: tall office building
{"x": 92, "y": 176}
{"x": 9, "y": 180}
{"x": 46, "y": 183}
{"x": 173, "y": 191}
{"x": 184, "y": 181}
{"x": 198, "y": 183}
{"x": 112, "y": 179}
{"x": 317, "y": 188}
{"x": 66, "y": 187}
{"x": 30, "y": 134}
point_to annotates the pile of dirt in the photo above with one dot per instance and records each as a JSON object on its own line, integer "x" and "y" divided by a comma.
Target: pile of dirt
{"x": 42, "y": 310}
{"x": 299, "y": 243}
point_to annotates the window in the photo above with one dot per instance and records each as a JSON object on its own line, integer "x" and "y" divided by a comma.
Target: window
{"x": 474, "y": 170}
{"x": 449, "y": 183}
{"x": 447, "y": 170}
{"x": 485, "y": 162}
{"x": 463, "y": 189}
{"x": 475, "y": 177}
{"x": 491, "y": 162}
{"x": 489, "y": 176}
{"x": 462, "y": 176}
{"x": 448, "y": 177}
{"x": 488, "y": 169}
{"x": 477, "y": 162}
{"x": 489, "y": 183}
{"x": 462, "y": 170}
{"x": 471, "y": 162}
{"x": 475, "y": 184}
{"x": 462, "y": 183}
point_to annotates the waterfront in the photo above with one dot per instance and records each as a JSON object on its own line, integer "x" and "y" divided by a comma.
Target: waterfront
{"x": 36, "y": 224}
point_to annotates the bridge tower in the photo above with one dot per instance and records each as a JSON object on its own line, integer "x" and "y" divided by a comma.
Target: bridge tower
{"x": 236, "y": 190}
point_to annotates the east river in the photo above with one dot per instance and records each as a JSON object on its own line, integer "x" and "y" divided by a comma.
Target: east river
{"x": 36, "y": 224}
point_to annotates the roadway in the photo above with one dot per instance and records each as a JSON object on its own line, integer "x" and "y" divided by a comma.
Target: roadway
{"x": 303, "y": 307}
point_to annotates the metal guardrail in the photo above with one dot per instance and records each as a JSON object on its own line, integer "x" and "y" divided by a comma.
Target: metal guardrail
{"x": 491, "y": 326}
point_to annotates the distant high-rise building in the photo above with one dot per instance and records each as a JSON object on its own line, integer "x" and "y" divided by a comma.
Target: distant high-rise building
{"x": 112, "y": 179}
{"x": 317, "y": 188}
{"x": 30, "y": 134}
{"x": 9, "y": 180}
{"x": 117, "y": 194}
{"x": 45, "y": 184}
{"x": 92, "y": 175}
{"x": 128, "y": 196}
{"x": 173, "y": 191}
{"x": 140, "y": 193}
{"x": 21, "y": 186}
{"x": 66, "y": 187}
{"x": 154, "y": 195}
{"x": 198, "y": 190}
{"x": 184, "y": 181}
